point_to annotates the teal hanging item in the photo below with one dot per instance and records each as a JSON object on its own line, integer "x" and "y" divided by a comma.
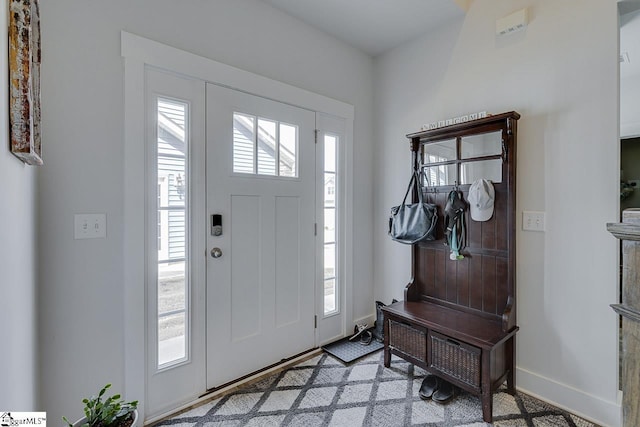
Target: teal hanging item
{"x": 455, "y": 230}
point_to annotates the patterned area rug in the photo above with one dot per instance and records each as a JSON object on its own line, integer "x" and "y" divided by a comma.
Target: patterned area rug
{"x": 325, "y": 392}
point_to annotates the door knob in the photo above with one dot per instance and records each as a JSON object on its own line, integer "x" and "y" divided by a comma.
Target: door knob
{"x": 216, "y": 252}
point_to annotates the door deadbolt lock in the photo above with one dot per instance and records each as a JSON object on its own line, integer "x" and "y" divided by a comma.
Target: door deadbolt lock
{"x": 216, "y": 252}
{"x": 216, "y": 225}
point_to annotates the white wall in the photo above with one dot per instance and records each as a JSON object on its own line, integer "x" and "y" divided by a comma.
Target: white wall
{"x": 82, "y": 87}
{"x": 560, "y": 74}
{"x": 18, "y": 316}
{"x": 629, "y": 106}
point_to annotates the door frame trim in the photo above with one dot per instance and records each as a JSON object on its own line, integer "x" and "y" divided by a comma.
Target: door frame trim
{"x": 138, "y": 53}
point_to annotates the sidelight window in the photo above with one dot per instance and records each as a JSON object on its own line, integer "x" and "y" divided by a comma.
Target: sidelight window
{"x": 330, "y": 258}
{"x": 172, "y": 238}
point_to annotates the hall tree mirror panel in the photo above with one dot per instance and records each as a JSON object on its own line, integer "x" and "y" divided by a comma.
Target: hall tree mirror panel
{"x": 458, "y": 317}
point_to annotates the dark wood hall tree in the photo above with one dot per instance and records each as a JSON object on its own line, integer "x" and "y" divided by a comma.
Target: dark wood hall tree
{"x": 458, "y": 317}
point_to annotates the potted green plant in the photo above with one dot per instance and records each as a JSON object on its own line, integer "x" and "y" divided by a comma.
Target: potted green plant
{"x": 110, "y": 412}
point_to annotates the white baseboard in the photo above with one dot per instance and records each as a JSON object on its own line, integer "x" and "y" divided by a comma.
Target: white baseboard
{"x": 350, "y": 328}
{"x": 587, "y": 406}
{"x": 369, "y": 320}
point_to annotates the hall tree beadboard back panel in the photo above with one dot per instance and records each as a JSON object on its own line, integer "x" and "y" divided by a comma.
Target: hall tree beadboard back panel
{"x": 458, "y": 317}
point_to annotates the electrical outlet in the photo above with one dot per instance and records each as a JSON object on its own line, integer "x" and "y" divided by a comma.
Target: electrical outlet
{"x": 89, "y": 226}
{"x": 532, "y": 221}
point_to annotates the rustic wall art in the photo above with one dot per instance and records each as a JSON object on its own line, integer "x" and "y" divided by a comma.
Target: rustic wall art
{"x": 24, "y": 80}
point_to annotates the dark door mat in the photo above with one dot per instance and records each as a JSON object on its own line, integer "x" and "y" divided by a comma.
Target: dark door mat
{"x": 348, "y": 351}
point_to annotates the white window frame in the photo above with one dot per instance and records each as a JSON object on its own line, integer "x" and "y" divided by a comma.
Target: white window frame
{"x": 333, "y": 325}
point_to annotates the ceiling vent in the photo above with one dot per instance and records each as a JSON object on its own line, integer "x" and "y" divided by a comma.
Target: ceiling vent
{"x": 624, "y": 57}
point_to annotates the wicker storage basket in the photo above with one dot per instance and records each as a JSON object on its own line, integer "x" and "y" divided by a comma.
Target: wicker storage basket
{"x": 408, "y": 340}
{"x": 461, "y": 361}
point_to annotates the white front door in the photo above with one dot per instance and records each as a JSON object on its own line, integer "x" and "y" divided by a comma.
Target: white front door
{"x": 260, "y": 270}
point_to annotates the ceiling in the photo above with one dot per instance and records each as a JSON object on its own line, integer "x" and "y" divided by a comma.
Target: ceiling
{"x": 373, "y": 26}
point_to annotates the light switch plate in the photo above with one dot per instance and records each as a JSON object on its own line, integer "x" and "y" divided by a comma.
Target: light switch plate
{"x": 90, "y": 226}
{"x": 533, "y": 221}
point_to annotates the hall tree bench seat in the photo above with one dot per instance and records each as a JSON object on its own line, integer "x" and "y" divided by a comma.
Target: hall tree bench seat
{"x": 458, "y": 317}
{"x": 467, "y": 350}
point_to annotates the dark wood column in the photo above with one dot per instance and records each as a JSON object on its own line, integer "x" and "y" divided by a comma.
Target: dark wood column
{"x": 629, "y": 232}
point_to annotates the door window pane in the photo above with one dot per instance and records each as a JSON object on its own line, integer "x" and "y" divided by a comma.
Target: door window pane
{"x": 171, "y": 338}
{"x": 329, "y": 260}
{"x": 329, "y": 225}
{"x": 244, "y": 135}
{"x": 330, "y": 153}
{"x": 330, "y": 189}
{"x": 329, "y": 296}
{"x": 288, "y": 153}
{"x": 172, "y": 187}
{"x": 267, "y": 147}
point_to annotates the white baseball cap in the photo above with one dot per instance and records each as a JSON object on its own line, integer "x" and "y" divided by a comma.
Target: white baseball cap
{"x": 481, "y": 197}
